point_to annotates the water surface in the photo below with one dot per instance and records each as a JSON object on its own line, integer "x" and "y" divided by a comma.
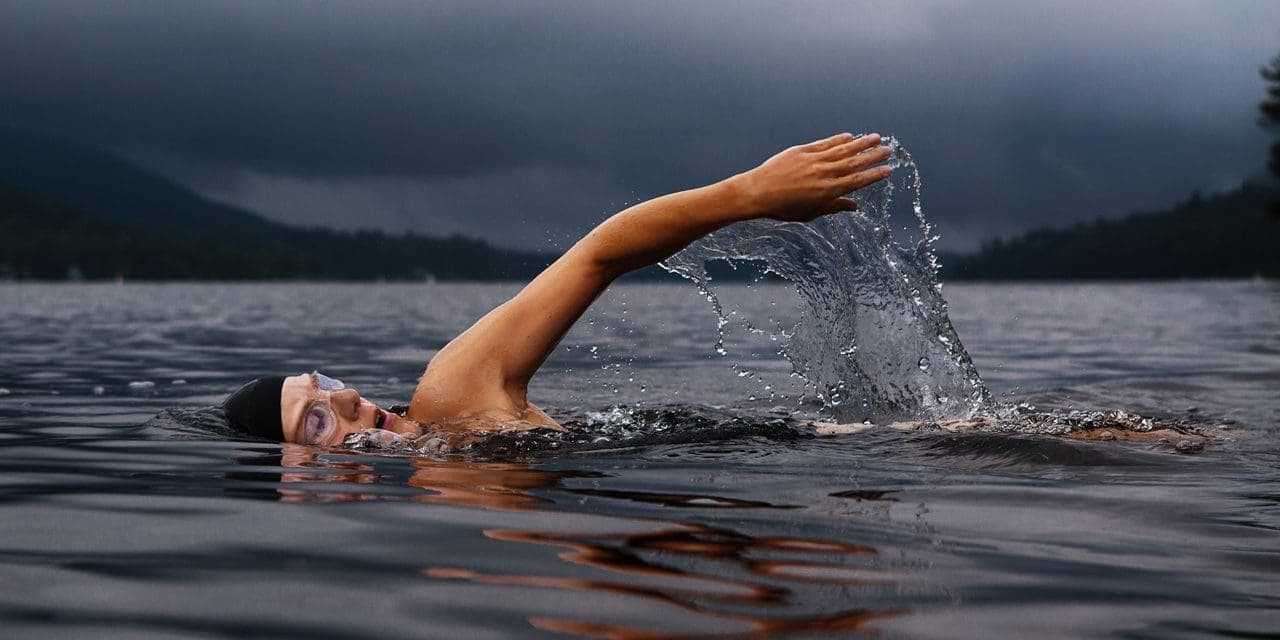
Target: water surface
{"x": 704, "y": 510}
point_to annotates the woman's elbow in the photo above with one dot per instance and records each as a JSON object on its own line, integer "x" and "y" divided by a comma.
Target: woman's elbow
{"x": 595, "y": 257}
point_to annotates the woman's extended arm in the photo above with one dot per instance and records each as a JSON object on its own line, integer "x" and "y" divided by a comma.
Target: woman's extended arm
{"x": 800, "y": 183}
{"x": 502, "y": 351}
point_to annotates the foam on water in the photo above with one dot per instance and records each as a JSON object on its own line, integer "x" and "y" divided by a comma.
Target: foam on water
{"x": 617, "y": 426}
{"x": 628, "y": 427}
{"x": 873, "y": 342}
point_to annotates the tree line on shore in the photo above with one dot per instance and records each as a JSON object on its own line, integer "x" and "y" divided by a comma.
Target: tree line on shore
{"x": 1222, "y": 236}
{"x": 68, "y": 211}
{"x": 42, "y": 239}
{"x": 1227, "y": 235}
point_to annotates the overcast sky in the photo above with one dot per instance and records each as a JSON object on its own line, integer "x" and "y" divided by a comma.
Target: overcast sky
{"x": 525, "y": 122}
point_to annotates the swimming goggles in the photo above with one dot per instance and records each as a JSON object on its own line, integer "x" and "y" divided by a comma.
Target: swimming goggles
{"x": 319, "y": 421}
{"x": 325, "y": 383}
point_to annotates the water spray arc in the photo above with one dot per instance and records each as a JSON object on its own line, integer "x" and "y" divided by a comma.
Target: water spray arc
{"x": 873, "y": 342}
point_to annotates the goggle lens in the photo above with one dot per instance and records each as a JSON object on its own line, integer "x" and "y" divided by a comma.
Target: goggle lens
{"x": 325, "y": 383}
{"x": 317, "y": 424}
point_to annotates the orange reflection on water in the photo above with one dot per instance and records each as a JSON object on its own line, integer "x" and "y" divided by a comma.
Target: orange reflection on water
{"x": 306, "y": 468}
{"x": 751, "y": 583}
{"x": 842, "y": 623}
{"x": 490, "y": 485}
{"x": 712, "y": 572}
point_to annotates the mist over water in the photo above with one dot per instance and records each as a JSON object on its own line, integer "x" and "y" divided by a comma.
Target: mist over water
{"x": 872, "y": 341}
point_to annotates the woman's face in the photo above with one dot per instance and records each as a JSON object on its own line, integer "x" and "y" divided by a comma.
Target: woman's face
{"x": 317, "y": 410}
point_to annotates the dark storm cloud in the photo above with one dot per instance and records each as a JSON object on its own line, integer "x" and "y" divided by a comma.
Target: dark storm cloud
{"x": 505, "y": 119}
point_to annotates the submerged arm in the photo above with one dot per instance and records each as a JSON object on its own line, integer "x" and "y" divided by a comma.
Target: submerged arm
{"x": 510, "y": 343}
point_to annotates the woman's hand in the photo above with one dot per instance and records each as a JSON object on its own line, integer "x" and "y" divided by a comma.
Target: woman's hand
{"x": 807, "y": 181}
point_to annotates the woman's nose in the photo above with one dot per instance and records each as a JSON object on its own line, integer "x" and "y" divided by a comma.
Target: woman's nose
{"x": 346, "y": 402}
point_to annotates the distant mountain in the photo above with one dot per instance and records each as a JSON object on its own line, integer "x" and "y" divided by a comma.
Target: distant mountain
{"x": 93, "y": 180}
{"x": 41, "y": 239}
{"x": 91, "y": 189}
{"x": 1224, "y": 236}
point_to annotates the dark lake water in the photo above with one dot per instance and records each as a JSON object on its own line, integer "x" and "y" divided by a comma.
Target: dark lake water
{"x": 713, "y": 514}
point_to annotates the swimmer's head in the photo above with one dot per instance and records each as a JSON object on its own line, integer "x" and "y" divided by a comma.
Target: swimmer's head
{"x": 255, "y": 408}
{"x": 308, "y": 408}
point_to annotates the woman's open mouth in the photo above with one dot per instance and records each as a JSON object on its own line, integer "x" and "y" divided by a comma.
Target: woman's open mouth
{"x": 384, "y": 419}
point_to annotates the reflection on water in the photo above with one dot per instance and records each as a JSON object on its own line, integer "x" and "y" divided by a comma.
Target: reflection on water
{"x": 714, "y": 572}
{"x": 683, "y": 500}
{"x": 485, "y": 484}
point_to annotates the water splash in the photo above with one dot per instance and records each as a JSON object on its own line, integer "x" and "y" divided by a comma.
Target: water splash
{"x": 617, "y": 426}
{"x": 873, "y": 342}
{"x": 627, "y": 427}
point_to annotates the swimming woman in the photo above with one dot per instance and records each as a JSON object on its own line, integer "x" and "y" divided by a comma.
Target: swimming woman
{"x": 479, "y": 380}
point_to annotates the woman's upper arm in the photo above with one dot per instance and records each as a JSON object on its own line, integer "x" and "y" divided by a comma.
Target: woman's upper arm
{"x": 511, "y": 342}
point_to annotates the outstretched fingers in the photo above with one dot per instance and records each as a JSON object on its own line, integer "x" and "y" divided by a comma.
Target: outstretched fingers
{"x": 851, "y": 147}
{"x": 860, "y": 161}
{"x": 828, "y": 143}
{"x": 860, "y": 179}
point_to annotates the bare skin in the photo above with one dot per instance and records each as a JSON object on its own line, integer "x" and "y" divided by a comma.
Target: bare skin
{"x": 480, "y": 379}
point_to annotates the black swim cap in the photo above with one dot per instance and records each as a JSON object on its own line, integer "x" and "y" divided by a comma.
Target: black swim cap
{"x": 255, "y": 408}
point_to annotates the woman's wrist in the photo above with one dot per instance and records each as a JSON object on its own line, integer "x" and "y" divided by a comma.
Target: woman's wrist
{"x": 739, "y": 197}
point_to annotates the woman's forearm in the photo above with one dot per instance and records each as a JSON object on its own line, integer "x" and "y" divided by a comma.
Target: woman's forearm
{"x": 652, "y": 231}
{"x": 798, "y": 184}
